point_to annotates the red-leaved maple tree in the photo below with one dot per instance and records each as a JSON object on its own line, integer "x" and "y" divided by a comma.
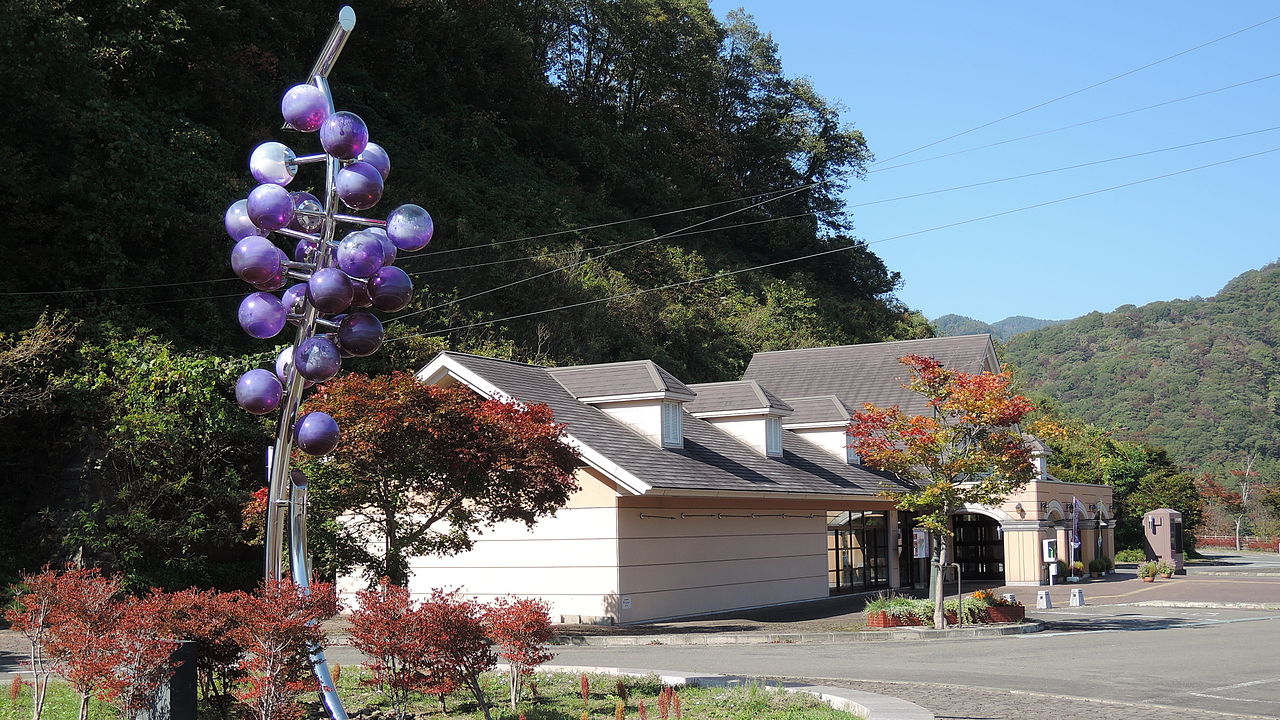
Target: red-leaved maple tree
{"x": 387, "y": 627}
{"x": 456, "y": 642}
{"x": 1236, "y": 502}
{"x": 139, "y": 655}
{"x": 277, "y": 627}
{"x": 208, "y": 617}
{"x": 81, "y": 630}
{"x": 520, "y": 629}
{"x": 969, "y": 450}
{"x": 30, "y": 615}
{"x": 421, "y": 469}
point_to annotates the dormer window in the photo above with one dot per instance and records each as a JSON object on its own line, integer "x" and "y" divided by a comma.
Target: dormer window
{"x": 673, "y": 425}
{"x": 773, "y": 436}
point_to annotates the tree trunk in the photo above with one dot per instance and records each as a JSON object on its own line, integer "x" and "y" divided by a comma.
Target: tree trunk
{"x": 84, "y": 707}
{"x": 1239, "y": 520}
{"x": 394, "y": 561}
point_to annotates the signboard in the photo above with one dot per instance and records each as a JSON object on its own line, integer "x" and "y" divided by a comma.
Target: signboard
{"x": 919, "y": 544}
{"x": 1050, "y": 550}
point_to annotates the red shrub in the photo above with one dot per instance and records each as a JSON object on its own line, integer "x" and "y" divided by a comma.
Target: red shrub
{"x": 277, "y": 628}
{"x": 458, "y": 648}
{"x": 387, "y": 628}
{"x": 520, "y": 628}
{"x": 29, "y": 615}
{"x": 81, "y": 624}
{"x": 208, "y": 618}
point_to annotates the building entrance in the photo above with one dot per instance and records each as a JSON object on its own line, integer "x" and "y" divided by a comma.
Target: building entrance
{"x": 857, "y": 551}
{"x": 979, "y": 546}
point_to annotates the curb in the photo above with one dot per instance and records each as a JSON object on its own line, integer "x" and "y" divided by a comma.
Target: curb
{"x": 1234, "y": 573}
{"x": 1210, "y": 605}
{"x": 863, "y": 704}
{"x": 723, "y": 638}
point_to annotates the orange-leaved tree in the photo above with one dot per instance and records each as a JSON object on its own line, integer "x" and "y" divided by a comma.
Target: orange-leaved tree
{"x": 420, "y": 469}
{"x": 968, "y": 450}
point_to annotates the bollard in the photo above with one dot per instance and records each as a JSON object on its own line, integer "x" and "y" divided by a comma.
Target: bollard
{"x": 1077, "y": 597}
{"x": 1010, "y": 598}
{"x": 1043, "y": 601}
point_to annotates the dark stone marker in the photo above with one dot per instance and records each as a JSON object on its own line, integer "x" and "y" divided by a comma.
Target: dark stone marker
{"x": 176, "y": 699}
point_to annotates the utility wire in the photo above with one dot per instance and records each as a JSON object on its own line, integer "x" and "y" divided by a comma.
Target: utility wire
{"x": 1100, "y": 83}
{"x": 810, "y": 256}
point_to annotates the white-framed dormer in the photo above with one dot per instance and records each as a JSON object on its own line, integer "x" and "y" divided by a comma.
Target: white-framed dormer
{"x": 745, "y": 410}
{"x": 637, "y": 393}
{"x": 823, "y": 421}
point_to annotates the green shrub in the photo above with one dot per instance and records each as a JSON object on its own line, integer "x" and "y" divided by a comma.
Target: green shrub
{"x": 1131, "y": 555}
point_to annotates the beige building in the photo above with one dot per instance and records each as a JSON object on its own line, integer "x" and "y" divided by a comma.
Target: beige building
{"x": 707, "y": 497}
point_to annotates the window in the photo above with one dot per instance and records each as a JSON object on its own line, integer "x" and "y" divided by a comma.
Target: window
{"x": 850, "y": 455}
{"x": 773, "y": 436}
{"x": 672, "y": 425}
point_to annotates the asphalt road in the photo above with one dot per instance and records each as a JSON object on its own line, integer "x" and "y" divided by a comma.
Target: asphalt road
{"x": 1226, "y": 661}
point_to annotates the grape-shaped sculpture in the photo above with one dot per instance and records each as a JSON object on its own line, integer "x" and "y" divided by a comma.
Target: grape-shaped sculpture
{"x": 273, "y": 162}
{"x": 277, "y": 280}
{"x": 344, "y": 135}
{"x": 261, "y": 315}
{"x": 304, "y": 107}
{"x": 316, "y": 433}
{"x": 359, "y": 185}
{"x": 305, "y": 251}
{"x": 237, "y": 222}
{"x": 305, "y": 201}
{"x": 377, "y": 157}
{"x": 360, "y": 294}
{"x": 284, "y": 361}
{"x": 360, "y": 334}
{"x": 270, "y": 206}
{"x": 329, "y": 290}
{"x": 410, "y": 227}
{"x": 317, "y": 359}
{"x": 388, "y": 247}
{"x": 255, "y": 259}
{"x": 292, "y": 298}
{"x": 390, "y": 289}
{"x": 259, "y": 392}
{"x": 360, "y": 254}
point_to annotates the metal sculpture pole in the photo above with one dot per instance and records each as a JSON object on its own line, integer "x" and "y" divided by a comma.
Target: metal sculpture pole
{"x": 335, "y": 275}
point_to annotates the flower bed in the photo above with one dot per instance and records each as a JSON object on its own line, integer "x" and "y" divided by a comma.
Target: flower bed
{"x": 888, "y": 611}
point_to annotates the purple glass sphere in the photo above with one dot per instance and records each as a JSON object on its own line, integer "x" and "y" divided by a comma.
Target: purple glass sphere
{"x": 303, "y": 200}
{"x": 237, "y": 222}
{"x": 270, "y": 207}
{"x": 317, "y": 359}
{"x": 276, "y": 281}
{"x": 273, "y": 162}
{"x": 344, "y": 135}
{"x": 304, "y": 107}
{"x": 410, "y": 227}
{"x": 360, "y": 295}
{"x": 390, "y": 289}
{"x": 377, "y": 157}
{"x": 255, "y": 259}
{"x": 316, "y": 433}
{"x": 359, "y": 185}
{"x": 360, "y": 334}
{"x": 388, "y": 247}
{"x": 291, "y": 300}
{"x": 261, "y": 315}
{"x": 284, "y": 361}
{"x": 304, "y": 251}
{"x": 329, "y": 290}
{"x": 360, "y": 254}
{"x": 259, "y": 392}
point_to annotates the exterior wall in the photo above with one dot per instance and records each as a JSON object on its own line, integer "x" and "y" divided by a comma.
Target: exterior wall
{"x": 748, "y": 430}
{"x": 833, "y": 440}
{"x": 672, "y": 566}
{"x": 643, "y": 416}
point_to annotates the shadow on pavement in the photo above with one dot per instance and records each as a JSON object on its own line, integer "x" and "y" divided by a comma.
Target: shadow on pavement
{"x": 1120, "y": 621}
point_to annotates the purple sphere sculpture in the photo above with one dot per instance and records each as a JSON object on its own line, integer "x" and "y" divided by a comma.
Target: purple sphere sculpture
{"x": 316, "y": 433}
{"x": 410, "y": 227}
{"x": 276, "y": 281}
{"x": 259, "y": 392}
{"x": 360, "y": 254}
{"x": 304, "y": 251}
{"x": 291, "y": 300}
{"x": 390, "y": 289}
{"x": 359, "y": 185}
{"x": 329, "y": 289}
{"x": 344, "y": 135}
{"x": 304, "y": 107}
{"x": 255, "y": 259}
{"x": 360, "y": 334}
{"x": 388, "y": 247}
{"x": 237, "y": 222}
{"x": 273, "y": 162}
{"x": 317, "y": 359}
{"x": 302, "y": 222}
{"x": 377, "y": 157}
{"x": 270, "y": 207}
{"x": 261, "y": 315}
{"x": 284, "y": 361}
{"x": 360, "y": 295}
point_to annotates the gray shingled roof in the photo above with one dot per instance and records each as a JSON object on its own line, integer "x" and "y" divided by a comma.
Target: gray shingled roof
{"x": 860, "y": 374}
{"x": 734, "y": 395}
{"x": 815, "y": 410}
{"x": 632, "y": 377}
{"x": 711, "y": 459}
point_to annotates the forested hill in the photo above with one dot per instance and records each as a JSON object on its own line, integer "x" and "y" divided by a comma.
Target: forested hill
{"x": 949, "y": 325}
{"x": 1200, "y": 377}
{"x": 129, "y": 126}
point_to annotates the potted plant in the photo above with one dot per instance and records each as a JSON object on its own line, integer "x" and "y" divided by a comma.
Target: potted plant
{"x": 888, "y": 611}
{"x": 1097, "y": 566}
{"x": 1148, "y": 571}
{"x": 1077, "y": 571}
{"x": 1000, "y": 610}
{"x": 1165, "y": 569}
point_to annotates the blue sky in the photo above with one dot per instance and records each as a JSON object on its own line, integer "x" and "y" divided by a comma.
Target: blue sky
{"x": 908, "y": 74}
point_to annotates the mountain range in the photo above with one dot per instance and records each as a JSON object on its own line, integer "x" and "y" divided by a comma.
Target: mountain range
{"x": 949, "y": 325}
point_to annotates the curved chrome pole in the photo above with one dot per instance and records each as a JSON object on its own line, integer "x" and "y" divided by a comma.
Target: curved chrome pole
{"x": 300, "y": 568}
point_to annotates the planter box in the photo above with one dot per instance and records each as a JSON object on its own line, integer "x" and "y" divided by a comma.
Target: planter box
{"x": 885, "y": 620}
{"x": 1006, "y": 613}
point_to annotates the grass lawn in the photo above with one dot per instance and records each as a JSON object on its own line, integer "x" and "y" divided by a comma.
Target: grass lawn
{"x": 558, "y": 695}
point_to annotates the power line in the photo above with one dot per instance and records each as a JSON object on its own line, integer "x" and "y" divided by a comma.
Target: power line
{"x": 1083, "y": 89}
{"x": 810, "y": 256}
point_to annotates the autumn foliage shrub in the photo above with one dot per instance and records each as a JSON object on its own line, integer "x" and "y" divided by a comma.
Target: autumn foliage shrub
{"x": 387, "y": 627}
{"x": 520, "y": 629}
{"x": 208, "y": 618}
